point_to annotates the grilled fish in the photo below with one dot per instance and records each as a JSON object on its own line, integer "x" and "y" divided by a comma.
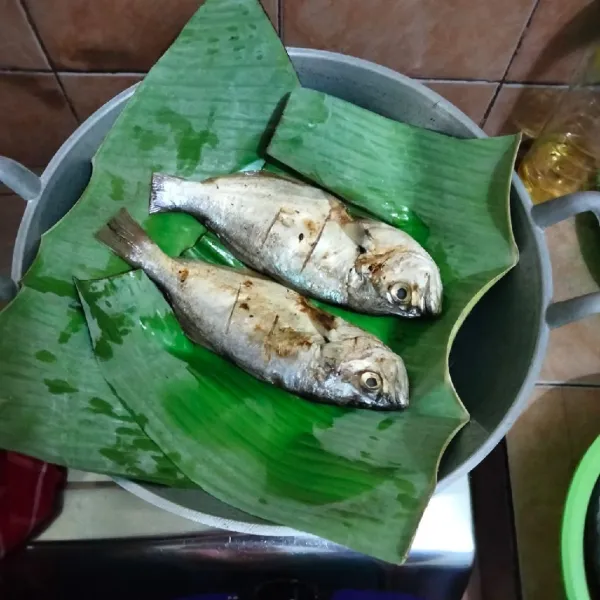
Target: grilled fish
{"x": 267, "y": 329}
{"x": 305, "y": 238}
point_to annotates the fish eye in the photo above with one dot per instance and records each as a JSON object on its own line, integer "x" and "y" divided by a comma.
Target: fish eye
{"x": 370, "y": 381}
{"x": 400, "y": 292}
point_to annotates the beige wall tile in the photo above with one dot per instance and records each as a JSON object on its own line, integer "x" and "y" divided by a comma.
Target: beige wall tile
{"x": 35, "y": 118}
{"x": 128, "y": 35}
{"x": 574, "y": 353}
{"x": 574, "y": 247}
{"x": 11, "y": 211}
{"x": 272, "y": 9}
{"x": 574, "y": 350}
{"x": 88, "y": 92}
{"x": 453, "y": 39}
{"x": 19, "y": 47}
{"x": 472, "y": 98}
{"x": 544, "y": 447}
{"x": 552, "y": 46}
{"x": 521, "y": 108}
{"x": 112, "y": 35}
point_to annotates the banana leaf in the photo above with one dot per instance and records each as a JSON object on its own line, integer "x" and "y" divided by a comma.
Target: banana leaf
{"x": 451, "y": 195}
{"x": 205, "y": 108}
{"x": 356, "y": 477}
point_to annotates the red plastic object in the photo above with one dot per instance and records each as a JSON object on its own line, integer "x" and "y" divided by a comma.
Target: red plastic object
{"x": 29, "y": 491}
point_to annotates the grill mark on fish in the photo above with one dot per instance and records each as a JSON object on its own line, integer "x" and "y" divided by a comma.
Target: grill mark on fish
{"x": 314, "y": 245}
{"x": 322, "y": 320}
{"x": 339, "y": 214}
{"x": 266, "y": 344}
{"x": 183, "y": 274}
{"x": 264, "y": 241}
{"x": 373, "y": 262}
{"x": 289, "y": 342}
{"x": 233, "y": 309}
{"x": 310, "y": 225}
{"x": 275, "y": 321}
{"x": 284, "y": 341}
{"x": 347, "y": 281}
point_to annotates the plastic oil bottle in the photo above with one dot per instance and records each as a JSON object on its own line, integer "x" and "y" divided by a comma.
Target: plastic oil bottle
{"x": 565, "y": 158}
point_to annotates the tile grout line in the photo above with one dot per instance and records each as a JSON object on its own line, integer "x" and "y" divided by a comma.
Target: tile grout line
{"x": 36, "y": 33}
{"x": 539, "y": 84}
{"x": 521, "y": 39}
{"x": 488, "y": 110}
{"x": 533, "y": 84}
{"x": 9, "y": 71}
{"x": 510, "y": 62}
{"x": 569, "y": 433}
{"x": 36, "y": 37}
{"x": 566, "y": 384}
{"x": 280, "y": 20}
{"x": 514, "y": 538}
{"x": 452, "y": 80}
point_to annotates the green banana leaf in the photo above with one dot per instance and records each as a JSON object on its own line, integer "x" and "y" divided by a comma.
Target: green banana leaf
{"x": 356, "y": 477}
{"x": 206, "y": 108}
{"x": 452, "y": 195}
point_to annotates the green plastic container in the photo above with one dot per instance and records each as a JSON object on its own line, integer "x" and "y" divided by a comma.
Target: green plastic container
{"x": 574, "y": 524}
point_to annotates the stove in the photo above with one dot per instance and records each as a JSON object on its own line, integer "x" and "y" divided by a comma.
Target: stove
{"x": 218, "y": 565}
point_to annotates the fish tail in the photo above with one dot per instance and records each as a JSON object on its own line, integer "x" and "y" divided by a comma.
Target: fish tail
{"x": 126, "y": 238}
{"x": 166, "y": 193}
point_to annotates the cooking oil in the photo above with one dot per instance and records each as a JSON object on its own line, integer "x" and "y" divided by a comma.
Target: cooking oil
{"x": 533, "y": 109}
{"x": 566, "y": 155}
{"x": 556, "y": 165}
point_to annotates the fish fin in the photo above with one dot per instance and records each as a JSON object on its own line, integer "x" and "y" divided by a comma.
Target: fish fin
{"x": 252, "y": 273}
{"x": 258, "y": 174}
{"x": 126, "y": 238}
{"x": 244, "y": 270}
{"x": 164, "y": 192}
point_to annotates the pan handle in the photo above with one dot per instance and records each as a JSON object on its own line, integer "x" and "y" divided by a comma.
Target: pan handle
{"x": 550, "y": 213}
{"x": 27, "y": 185}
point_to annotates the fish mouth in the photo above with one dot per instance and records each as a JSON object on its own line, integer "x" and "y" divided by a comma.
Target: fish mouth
{"x": 401, "y": 401}
{"x": 412, "y": 312}
{"x": 398, "y": 402}
{"x": 433, "y": 308}
{"x": 432, "y": 296}
{"x": 428, "y": 308}
{"x": 428, "y": 304}
{"x": 431, "y": 300}
{"x": 401, "y": 391}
